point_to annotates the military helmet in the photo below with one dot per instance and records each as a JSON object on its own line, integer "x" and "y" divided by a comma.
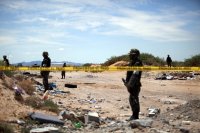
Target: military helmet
{"x": 134, "y": 51}
{"x": 45, "y": 53}
{"x": 4, "y": 56}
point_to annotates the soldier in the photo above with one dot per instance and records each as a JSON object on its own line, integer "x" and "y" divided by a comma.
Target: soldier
{"x": 63, "y": 72}
{"x": 133, "y": 83}
{"x": 45, "y": 74}
{"x": 169, "y": 61}
{"x": 5, "y": 61}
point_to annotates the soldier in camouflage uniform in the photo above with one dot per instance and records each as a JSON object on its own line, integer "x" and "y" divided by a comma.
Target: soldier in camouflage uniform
{"x": 45, "y": 74}
{"x": 133, "y": 83}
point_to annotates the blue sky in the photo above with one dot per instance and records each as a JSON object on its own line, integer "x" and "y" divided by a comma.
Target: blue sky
{"x": 91, "y": 31}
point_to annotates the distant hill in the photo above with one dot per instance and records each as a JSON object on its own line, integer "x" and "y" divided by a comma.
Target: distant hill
{"x": 54, "y": 63}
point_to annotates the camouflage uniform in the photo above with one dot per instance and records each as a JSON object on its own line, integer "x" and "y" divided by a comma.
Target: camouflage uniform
{"x": 133, "y": 84}
{"x": 45, "y": 74}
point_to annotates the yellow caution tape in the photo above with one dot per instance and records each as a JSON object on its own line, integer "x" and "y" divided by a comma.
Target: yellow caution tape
{"x": 102, "y": 68}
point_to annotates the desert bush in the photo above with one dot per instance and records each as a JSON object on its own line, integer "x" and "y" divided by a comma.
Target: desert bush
{"x": 27, "y": 86}
{"x": 37, "y": 103}
{"x": 6, "y": 128}
{"x": 19, "y": 77}
{"x": 34, "y": 102}
{"x": 8, "y": 73}
{"x": 147, "y": 59}
{"x": 87, "y": 64}
{"x": 51, "y": 106}
{"x": 177, "y": 63}
{"x": 19, "y": 98}
{"x": 29, "y": 123}
{"x": 193, "y": 61}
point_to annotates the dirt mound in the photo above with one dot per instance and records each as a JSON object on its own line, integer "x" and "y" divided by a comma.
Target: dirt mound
{"x": 120, "y": 63}
{"x": 10, "y": 109}
{"x": 189, "y": 111}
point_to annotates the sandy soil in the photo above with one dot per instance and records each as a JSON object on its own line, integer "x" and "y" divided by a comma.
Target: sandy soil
{"x": 105, "y": 93}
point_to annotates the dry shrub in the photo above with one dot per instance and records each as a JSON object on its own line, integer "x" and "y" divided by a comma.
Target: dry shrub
{"x": 27, "y": 86}
{"x": 34, "y": 102}
{"x": 50, "y": 106}
{"x": 6, "y": 128}
{"x": 37, "y": 103}
{"x": 19, "y": 98}
{"x": 19, "y": 77}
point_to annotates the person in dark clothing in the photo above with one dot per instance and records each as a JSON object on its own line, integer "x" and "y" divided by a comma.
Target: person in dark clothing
{"x": 63, "y": 72}
{"x": 169, "y": 61}
{"x": 6, "y": 64}
{"x": 133, "y": 83}
{"x": 6, "y": 61}
{"x": 45, "y": 74}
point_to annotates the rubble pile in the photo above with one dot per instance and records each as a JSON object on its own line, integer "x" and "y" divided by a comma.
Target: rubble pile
{"x": 177, "y": 76}
{"x": 80, "y": 120}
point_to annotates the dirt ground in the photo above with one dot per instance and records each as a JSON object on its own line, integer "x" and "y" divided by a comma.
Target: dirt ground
{"x": 105, "y": 94}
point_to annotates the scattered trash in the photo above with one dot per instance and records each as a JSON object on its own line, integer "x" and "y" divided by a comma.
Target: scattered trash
{"x": 186, "y": 122}
{"x": 91, "y": 76}
{"x": 89, "y": 83}
{"x": 45, "y": 95}
{"x": 184, "y": 130}
{"x": 67, "y": 115}
{"x": 43, "y": 118}
{"x": 169, "y": 77}
{"x": 92, "y": 116}
{"x": 18, "y": 91}
{"x": 176, "y": 75}
{"x": 70, "y": 85}
{"x": 52, "y": 86}
{"x": 20, "y": 122}
{"x": 153, "y": 112}
{"x": 26, "y": 73}
{"x": 77, "y": 125}
{"x": 161, "y": 77}
{"x": 154, "y": 130}
{"x": 44, "y": 130}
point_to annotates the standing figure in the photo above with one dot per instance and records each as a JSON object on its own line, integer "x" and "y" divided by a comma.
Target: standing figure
{"x": 6, "y": 64}
{"x": 45, "y": 74}
{"x": 6, "y": 61}
{"x": 133, "y": 83}
{"x": 63, "y": 72}
{"x": 169, "y": 61}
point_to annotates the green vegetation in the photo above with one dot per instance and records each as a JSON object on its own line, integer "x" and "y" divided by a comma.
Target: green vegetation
{"x": 193, "y": 61}
{"x": 37, "y": 103}
{"x": 149, "y": 59}
{"x": 87, "y": 64}
{"x": 6, "y": 128}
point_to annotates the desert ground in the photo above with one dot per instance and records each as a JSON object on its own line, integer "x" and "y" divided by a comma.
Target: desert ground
{"x": 105, "y": 93}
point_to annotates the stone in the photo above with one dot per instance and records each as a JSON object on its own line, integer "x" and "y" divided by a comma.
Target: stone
{"x": 141, "y": 122}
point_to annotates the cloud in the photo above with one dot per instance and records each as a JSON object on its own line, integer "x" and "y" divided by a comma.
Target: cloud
{"x": 104, "y": 17}
{"x": 6, "y": 40}
{"x": 61, "y": 49}
{"x": 150, "y": 26}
